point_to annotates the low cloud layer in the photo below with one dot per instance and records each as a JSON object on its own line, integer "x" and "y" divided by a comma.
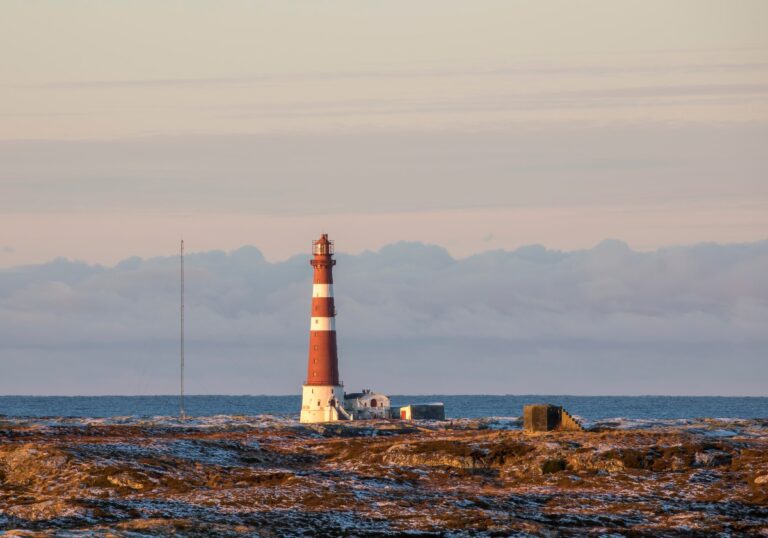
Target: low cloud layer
{"x": 412, "y": 319}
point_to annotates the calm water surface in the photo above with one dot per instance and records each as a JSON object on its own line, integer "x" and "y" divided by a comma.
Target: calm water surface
{"x": 471, "y": 406}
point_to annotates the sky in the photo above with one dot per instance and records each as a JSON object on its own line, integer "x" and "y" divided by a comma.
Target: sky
{"x": 474, "y": 127}
{"x": 411, "y": 320}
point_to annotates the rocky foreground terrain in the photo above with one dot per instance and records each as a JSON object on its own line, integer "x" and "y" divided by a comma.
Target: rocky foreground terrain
{"x": 264, "y": 476}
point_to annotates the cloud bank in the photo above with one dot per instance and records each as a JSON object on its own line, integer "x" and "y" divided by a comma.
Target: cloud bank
{"x": 412, "y": 319}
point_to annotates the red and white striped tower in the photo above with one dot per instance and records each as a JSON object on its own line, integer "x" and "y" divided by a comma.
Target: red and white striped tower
{"x": 322, "y": 394}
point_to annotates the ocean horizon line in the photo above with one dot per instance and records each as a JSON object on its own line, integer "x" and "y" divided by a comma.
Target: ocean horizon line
{"x": 436, "y": 394}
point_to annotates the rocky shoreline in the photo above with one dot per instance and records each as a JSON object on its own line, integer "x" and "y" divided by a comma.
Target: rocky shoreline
{"x": 266, "y": 476}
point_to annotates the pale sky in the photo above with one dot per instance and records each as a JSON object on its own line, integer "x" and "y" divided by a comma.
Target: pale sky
{"x": 470, "y": 128}
{"x": 471, "y": 124}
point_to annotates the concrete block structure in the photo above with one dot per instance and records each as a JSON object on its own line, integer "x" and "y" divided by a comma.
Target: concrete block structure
{"x": 428, "y": 411}
{"x": 547, "y": 417}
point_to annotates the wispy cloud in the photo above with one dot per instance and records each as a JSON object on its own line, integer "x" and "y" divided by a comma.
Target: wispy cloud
{"x": 510, "y": 69}
{"x": 632, "y": 96}
{"x": 385, "y": 172}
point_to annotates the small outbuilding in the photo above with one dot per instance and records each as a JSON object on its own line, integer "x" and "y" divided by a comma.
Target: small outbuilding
{"x": 427, "y": 411}
{"x": 367, "y": 405}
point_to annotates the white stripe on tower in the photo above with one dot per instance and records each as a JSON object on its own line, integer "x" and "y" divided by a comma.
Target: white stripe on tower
{"x": 322, "y": 290}
{"x": 322, "y": 324}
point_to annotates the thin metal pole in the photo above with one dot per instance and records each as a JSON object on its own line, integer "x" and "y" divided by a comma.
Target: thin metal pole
{"x": 182, "y": 412}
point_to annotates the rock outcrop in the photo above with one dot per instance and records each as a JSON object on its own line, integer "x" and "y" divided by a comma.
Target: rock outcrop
{"x": 281, "y": 479}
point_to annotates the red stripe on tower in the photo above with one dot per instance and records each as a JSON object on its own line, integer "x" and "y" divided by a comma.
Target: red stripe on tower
{"x": 323, "y": 364}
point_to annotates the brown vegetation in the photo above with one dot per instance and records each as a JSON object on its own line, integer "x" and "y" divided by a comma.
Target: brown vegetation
{"x": 382, "y": 478}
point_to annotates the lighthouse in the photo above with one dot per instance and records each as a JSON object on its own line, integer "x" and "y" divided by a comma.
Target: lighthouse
{"x": 322, "y": 394}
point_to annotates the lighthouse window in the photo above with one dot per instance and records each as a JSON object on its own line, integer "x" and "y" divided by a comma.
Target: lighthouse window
{"x": 314, "y": 347}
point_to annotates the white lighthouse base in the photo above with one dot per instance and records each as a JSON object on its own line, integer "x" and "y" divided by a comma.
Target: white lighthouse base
{"x": 323, "y": 403}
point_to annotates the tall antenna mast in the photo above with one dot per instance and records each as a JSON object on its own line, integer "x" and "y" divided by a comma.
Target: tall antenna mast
{"x": 182, "y": 412}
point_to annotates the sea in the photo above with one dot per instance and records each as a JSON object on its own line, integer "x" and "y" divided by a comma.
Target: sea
{"x": 588, "y": 408}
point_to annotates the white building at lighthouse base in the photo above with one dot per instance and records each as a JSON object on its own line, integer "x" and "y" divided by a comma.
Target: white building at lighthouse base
{"x": 323, "y": 403}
